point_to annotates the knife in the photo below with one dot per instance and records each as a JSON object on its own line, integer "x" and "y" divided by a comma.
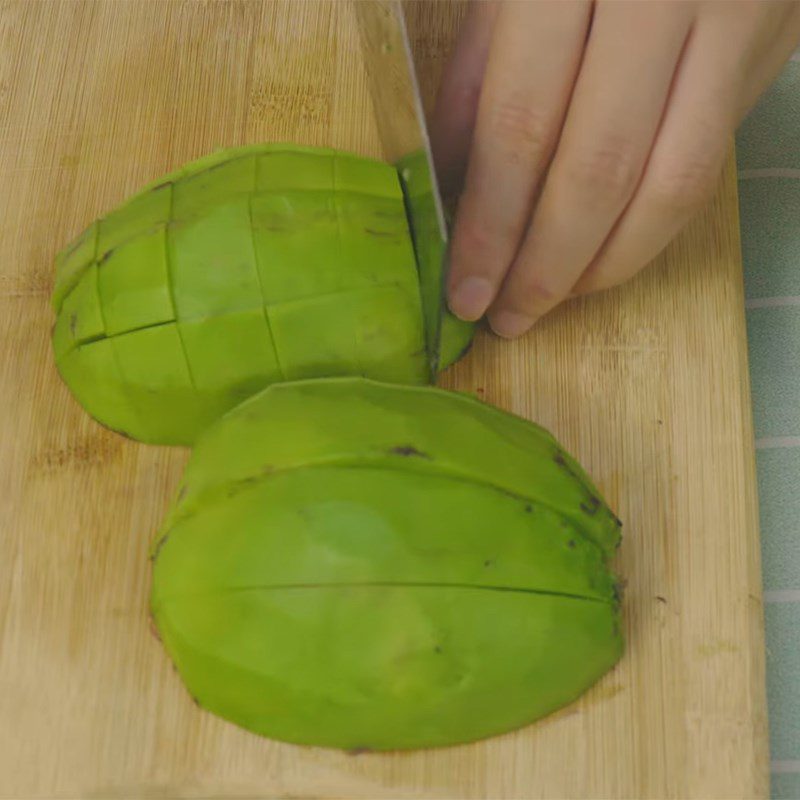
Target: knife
{"x": 402, "y": 128}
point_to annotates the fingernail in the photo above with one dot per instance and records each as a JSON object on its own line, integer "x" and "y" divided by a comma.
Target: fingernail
{"x": 470, "y": 298}
{"x": 509, "y": 325}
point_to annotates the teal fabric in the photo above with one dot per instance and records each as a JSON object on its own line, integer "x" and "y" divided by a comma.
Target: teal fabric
{"x": 768, "y": 155}
{"x": 770, "y": 210}
{"x": 770, "y": 136}
{"x": 780, "y": 511}
{"x": 774, "y": 338}
{"x": 783, "y": 651}
{"x": 786, "y": 786}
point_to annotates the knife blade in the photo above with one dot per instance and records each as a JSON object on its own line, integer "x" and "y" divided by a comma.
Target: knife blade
{"x": 400, "y": 118}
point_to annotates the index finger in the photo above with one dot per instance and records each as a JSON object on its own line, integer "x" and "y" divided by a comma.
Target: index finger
{"x": 457, "y": 101}
{"x": 534, "y": 57}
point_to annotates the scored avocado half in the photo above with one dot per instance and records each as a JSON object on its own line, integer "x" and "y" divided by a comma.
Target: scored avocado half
{"x": 245, "y": 268}
{"x": 357, "y": 564}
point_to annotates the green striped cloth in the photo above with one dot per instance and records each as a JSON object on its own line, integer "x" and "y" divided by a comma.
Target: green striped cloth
{"x": 768, "y": 154}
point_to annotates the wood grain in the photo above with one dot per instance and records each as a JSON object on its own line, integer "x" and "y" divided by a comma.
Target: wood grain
{"x": 647, "y": 385}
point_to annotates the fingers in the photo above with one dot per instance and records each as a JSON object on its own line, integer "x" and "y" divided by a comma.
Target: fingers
{"x": 616, "y": 137}
{"x": 734, "y": 52}
{"x": 615, "y": 110}
{"x": 457, "y": 102}
{"x": 687, "y": 158}
{"x": 534, "y": 57}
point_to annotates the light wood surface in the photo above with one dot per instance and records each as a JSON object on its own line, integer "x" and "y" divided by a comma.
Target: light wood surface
{"x": 647, "y": 385}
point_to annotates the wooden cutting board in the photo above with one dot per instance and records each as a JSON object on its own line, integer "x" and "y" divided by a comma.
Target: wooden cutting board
{"x": 647, "y": 385}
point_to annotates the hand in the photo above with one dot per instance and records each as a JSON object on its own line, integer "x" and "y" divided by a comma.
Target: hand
{"x": 590, "y": 133}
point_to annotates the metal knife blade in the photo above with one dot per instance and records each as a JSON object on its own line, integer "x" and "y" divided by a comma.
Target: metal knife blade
{"x": 400, "y": 118}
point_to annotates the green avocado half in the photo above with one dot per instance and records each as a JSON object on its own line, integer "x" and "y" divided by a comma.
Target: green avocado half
{"x": 248, "y": 267}
{"x": 357, "y": 564}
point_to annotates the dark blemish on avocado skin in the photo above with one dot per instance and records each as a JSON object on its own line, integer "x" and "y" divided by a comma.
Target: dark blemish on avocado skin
{"x": 408, "y": 451}
{"x": 438, "y": 648}
{"x": 214, "y": 167}
{"x": 73, "y": 323}
{"x": 76, "y": 243}
{"x": 528, "y": 508}
{"x": 245, "y": 483}
{"x": 506, "y": 492}
{"x": 359, "y": 751}
{"x": 590, "y": 507}
{"x": 102, "y": 260}
{"x": 488, "y": 562}
{"x": 465, "y": 350}
{"x": 593, "y": 504}
{"x": 161, "y": 542}
{"x": 561, "y": 460}
{"x": 380, "y": 234}
{"x": 571, "y": 544}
